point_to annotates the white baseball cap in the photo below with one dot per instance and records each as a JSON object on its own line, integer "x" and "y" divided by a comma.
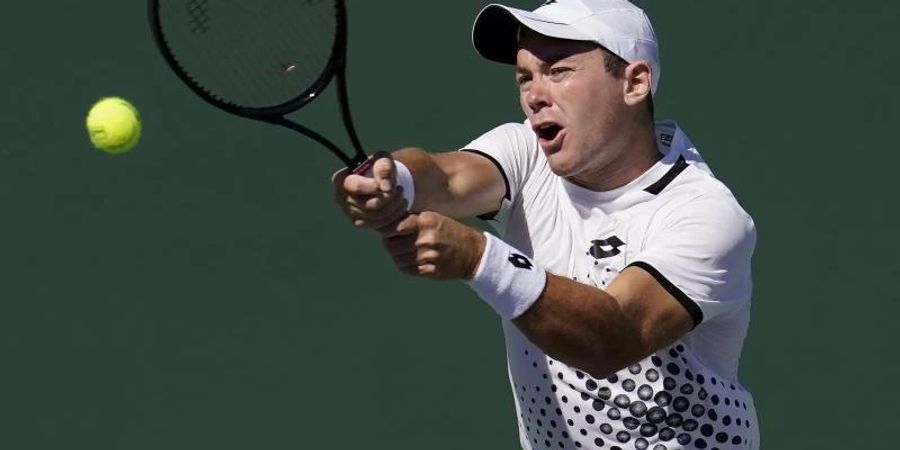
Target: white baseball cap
{"x": 617, "y": 25}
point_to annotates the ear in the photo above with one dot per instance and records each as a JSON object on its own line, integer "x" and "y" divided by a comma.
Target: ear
{"x": 637, "y": 82}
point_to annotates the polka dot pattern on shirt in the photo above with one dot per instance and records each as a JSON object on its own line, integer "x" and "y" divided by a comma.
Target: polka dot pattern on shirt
{"x": 660, "y": 403}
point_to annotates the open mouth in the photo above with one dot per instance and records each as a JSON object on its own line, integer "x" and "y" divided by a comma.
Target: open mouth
{"x": 548, "y": 132}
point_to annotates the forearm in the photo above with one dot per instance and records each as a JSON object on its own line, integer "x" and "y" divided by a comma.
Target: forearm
{"x": 431, "y": 183}
{"x": 580, "y": 325}
{"x": 599, "y": 331}
{"x": 583, "y": 327}
{"x": 456, "y": 184}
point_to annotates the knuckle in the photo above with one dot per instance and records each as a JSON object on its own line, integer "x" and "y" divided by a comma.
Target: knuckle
{"x": 355, "y": 212}
{"x": 350, "y": 183}
{"x": 374, "y": 203}
{"x": 384, "y": 163}
{"x": 428, "y": 218}
{"x": 429, "y": 256}
{"x": 426, "y": 240}
{"x": 431, "y": 272}
{"x": 357, "y": 200}
{"x": 355, "y": 184}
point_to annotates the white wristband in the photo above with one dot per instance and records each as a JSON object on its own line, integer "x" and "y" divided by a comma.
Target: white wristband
{"x": 506, "y": 279}
{"x": 405, "y": 180}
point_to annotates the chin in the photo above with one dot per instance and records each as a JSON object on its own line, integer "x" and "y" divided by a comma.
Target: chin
{"x": 562, "y": 166}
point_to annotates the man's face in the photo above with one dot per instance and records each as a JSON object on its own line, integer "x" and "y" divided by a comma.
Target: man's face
{"x": 574, "y": 105}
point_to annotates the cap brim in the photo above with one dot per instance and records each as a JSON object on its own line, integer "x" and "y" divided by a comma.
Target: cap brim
{"x": 495, "y": 33}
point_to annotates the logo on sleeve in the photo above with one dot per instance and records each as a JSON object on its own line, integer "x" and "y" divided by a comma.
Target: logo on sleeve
{"x": 605, "y": 248}
{"x": 666, "y": 139}
{"x": 520, "y": 261}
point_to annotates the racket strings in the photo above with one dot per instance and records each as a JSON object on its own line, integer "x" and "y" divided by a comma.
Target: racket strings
{"x": 198, "y": 18}
{"x": 251, "y": 54}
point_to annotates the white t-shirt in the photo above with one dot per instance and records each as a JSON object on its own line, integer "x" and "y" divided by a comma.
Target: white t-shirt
{"x": 685, "y": 228}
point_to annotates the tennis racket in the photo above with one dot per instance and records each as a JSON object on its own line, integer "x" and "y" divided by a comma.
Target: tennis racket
{"x": 260, "y": 59}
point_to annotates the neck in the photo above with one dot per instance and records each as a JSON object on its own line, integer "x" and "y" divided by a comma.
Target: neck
{"x": 639, "y": 155}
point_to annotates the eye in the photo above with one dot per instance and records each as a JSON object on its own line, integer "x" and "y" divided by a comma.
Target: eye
{"x": 557, "y": 73}
{"x": 522, "y": 80}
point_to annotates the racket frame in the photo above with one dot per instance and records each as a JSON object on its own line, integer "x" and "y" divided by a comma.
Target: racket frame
{"x": 334, "y": 69}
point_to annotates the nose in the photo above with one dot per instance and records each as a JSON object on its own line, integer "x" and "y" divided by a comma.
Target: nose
{"x": 537, "y": 97}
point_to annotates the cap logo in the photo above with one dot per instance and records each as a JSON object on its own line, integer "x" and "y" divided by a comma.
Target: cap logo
{"x": 548, "y": 2}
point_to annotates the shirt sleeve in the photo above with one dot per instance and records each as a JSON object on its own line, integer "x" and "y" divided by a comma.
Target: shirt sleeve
{"x": 701, "y": 254}
{"x": 511, "y": 147}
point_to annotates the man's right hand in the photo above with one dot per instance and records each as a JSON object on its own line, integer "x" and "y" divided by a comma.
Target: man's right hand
{"x": 371, "y": 202}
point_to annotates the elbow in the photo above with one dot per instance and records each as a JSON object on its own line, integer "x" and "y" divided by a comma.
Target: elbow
{"x": 601, "y": 371}
{"x": 608, "y": 363}
{"x": 599, "y": 368}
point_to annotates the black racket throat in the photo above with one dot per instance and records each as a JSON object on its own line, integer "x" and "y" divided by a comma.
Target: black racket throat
{"x": 351, "y": 162}
{"x": 262, "y": 60}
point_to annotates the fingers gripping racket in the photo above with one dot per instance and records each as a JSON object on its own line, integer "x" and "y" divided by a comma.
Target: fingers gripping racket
{"x": 260, "y": 59}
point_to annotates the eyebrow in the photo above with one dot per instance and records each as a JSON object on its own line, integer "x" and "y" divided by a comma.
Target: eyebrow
{"x": 555, "y": 56}
{"x": 551, "y": 59}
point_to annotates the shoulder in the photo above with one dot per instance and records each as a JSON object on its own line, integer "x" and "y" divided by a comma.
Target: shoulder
{"x": 698, "y": 200}
{"x": 514, "y": 149}
{"x": 697, "y": 186}
{"x": 512, "y": 135}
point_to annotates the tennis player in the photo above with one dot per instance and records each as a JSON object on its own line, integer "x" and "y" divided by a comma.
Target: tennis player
{"x": 622, "y": 268}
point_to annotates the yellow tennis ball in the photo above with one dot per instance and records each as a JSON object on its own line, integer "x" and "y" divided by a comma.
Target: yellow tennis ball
{"x": 114, "y": 125}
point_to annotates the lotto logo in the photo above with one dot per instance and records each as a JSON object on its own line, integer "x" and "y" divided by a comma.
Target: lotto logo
{"x": 520, "y": 261}
{"x": 605, "y": 248}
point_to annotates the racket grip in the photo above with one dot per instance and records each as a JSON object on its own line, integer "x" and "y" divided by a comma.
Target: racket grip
{"x": 404, "y": 178}
{"x": 365, "y": 168}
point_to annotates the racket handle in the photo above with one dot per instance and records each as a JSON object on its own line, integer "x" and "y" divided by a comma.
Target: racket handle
{"x": 404, "y": 178}
{"x": 365, "y": 168}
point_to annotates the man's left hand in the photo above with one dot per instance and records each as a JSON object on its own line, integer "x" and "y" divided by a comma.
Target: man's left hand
{"x": 434, "y": 246}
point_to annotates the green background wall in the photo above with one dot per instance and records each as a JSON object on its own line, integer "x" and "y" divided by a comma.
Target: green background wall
{"x": 202, "y": 292}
